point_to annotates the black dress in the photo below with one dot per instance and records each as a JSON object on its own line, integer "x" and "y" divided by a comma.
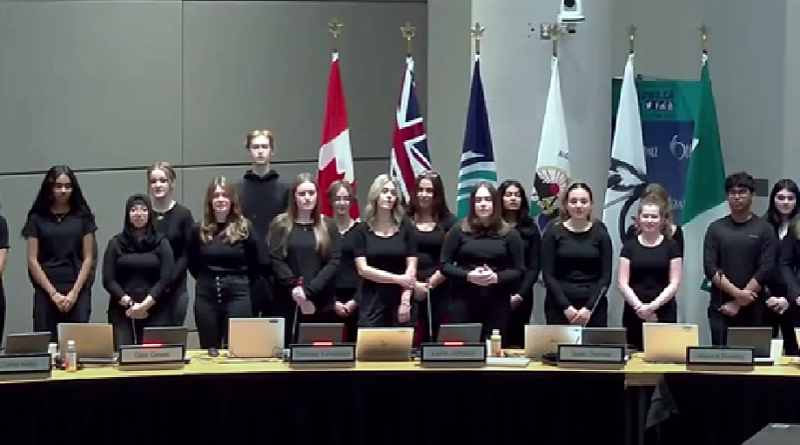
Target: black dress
{"x": 176, "y": 225}
{"x": 429, "y": 250}
{"x": 60, "y": 240}
{"x": 3, "y": 246}
{"x": 649, "y": 275}
{"x": 378, "y": 303}
{"x": 521, "y": 315}
{"x": 348, "y": 281}
{"x": 576, "y": 267}
{"x": 488, "y": 305}
{"x": 300, "y": 259}
{"x": 785, "y": 283}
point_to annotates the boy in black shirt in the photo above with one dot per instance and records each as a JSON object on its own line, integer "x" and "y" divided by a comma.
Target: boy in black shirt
{"x": 263, "y": 196}
{"x": 738, "y": 258}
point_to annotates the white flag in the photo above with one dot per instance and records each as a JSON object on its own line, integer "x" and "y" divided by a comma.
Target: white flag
{"x": 552, "y": 162}
{"x": 627, "y": 178}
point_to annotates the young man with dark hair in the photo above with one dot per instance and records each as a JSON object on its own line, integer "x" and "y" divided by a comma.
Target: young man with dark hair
{"x": 263, "y": 196}
{"x": 738, "y": 257}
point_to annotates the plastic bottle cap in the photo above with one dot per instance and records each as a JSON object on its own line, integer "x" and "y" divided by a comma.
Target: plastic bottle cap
{"x": 71, "y": 343}
{"x": 496, "y": 332}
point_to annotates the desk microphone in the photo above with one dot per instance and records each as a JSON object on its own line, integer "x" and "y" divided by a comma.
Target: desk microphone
{"x": 591, "y": 311}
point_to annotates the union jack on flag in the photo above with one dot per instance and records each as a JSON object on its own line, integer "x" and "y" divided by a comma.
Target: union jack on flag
{"x": 410, "y": 155}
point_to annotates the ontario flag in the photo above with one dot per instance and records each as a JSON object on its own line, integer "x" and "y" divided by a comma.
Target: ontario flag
{"x": 410, "y": 155}
{"x": 335, "y": 156}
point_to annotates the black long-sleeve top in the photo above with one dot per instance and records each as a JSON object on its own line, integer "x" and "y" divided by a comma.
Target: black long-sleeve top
{"x": 576, "y": 266}
{"x": 347, "y": 277}
{"x": 220, "y": 257}
{"x": 176, "y": 225}
{"x": 790, "y": 264}
{"x": 741, "y": 251}
{"x": 136, "y": 274}
{"x": 532, "y": 246}
{"x": 429, "y": 247}
{"x": 299, "y": 258}
{"x": 463, "y": 252}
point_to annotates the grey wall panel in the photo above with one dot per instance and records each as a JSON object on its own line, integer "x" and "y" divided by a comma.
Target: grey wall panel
{"x": 265, "y": 64}
{"x": 90, "y": 84}
{"x": 196, "y": 180}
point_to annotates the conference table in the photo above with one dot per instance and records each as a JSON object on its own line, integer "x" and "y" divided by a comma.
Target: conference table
{"x": 220, "y": 400}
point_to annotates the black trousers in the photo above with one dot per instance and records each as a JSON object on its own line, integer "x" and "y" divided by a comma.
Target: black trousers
{"x": 177, "y": 305}
{"x": 2, "y": 310}
{"x": 514, "y": 335}
{"x": 46, "y": 315}
{"x": 750, "y": 315}
{"x": 785, "y": 323}
{"x": 491, "y": 311}
{"x": 128, "y": 331}
{"x": 218, "y": 299}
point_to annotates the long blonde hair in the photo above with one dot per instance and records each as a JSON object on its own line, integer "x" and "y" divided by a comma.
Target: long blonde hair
{"x": 375, "y": 190}
{"x": 237, "y": 227}
{"x": 281, "y": 226}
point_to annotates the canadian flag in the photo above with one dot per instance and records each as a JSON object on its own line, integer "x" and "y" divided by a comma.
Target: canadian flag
{"x": 335, "y": 156}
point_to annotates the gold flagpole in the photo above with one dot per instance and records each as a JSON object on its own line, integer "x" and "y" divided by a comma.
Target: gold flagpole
{"x": 703, "y": 37}
{"x": 477, "y": 35}
{"x": 335, "y": 28}
{"x": 631, "y": 37}
{"x": 409, "y": 32}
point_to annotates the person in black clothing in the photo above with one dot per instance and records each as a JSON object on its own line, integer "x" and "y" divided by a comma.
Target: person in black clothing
{"x": 304, "y": 254}
{"x": 782, "y": 313}
{"x": 516, "y": 214}
{"x": 263, "y": 197}
{"x": 342, "y": 198}
{"x": 659, "y": 192}
{"x": 136, "y": 270}
{"x": 60, "y": 235}
{"x": 3, "y": 260}
{"x": 576, "y": 263}
{"x": 738, "y": 258}
{"x": 223, "y": 257}
{"x": 431, "y": 220}
{"x": 175, "y": 222}
{"x": 386, "y": 258}
{"x": 649, "y": 271}
{"x": 483, "y": 256}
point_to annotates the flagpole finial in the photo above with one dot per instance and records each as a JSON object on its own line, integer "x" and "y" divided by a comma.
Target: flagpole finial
{"x": 477, "y": 34}
{"x": 703, "y": 37}
{"x": 555, "y": 30}
{"x": 631, "y": 37}
{"x": 409, "y": 32}
{"x": 335, "y": 28}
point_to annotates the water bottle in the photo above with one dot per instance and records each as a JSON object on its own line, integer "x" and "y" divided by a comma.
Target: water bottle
{"x": 496, "y": 341}
{"x": 71, "y": 357}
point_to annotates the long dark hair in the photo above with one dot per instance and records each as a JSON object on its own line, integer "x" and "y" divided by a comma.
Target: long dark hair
{"x": 496, "y": 227}
{"x": 564, "y": 213}
{"x": 44, "y": 199}
{"x": 128, "y": 240}
{"x": 523, "y": 216}
{"x": 773, "y": 215}
{"x": 281, "y": 226}
{"x": 439, "y": 209}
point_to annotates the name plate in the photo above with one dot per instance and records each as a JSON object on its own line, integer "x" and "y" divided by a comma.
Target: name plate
{"x": 592, "y": 354}
{"x": 719, "y": 356}
{"x": 151, "y": 354}
{"x": 25, "y": 363}
{"x": 323, "y": 353}
{"x": 460, "y": 353}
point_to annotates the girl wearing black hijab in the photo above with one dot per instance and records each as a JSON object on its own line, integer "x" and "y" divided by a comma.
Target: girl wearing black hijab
{"x": 136, "y": 269}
